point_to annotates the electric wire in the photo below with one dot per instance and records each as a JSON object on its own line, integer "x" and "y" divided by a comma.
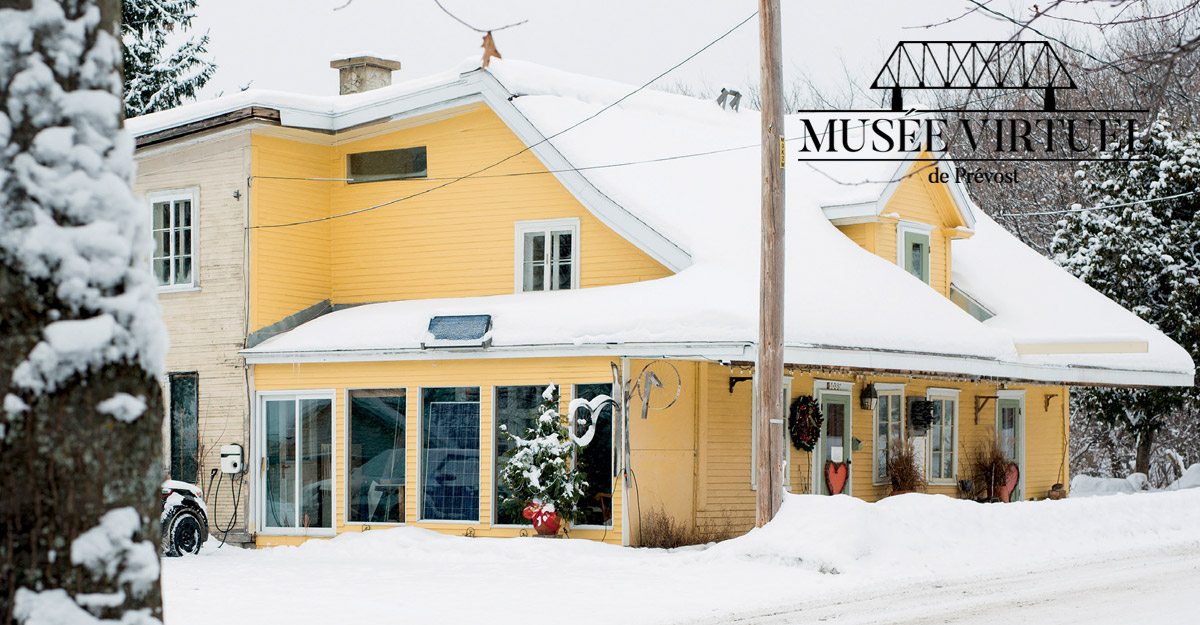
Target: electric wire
{"x": 1102, "y": 207}
{"x": 453, "y": 180}
{"x": 526, "y": 148}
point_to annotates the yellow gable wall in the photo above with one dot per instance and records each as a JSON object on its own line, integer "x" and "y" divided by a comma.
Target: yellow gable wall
{"x": 457, "y": 241}
{"x": 915, "y": 199}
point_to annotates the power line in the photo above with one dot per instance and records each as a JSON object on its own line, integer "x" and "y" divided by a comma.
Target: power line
{"x": 1106, "y": 206}
{"x": 529, "y": 147}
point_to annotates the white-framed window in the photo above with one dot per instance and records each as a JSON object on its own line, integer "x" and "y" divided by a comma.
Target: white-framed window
{"x": 293, "y": 469}
{"x": 547, "y": 255}
{"x": 515, "y": 408}
{"x": 942, "y": 454}
{"x": 912, "y": 248}
{"x": 173, "y": 221}
{"x": 376, "y": 452}
{"x": 595, "y": 461}
{"x": 449, "y": 454}
{"x": 889, "y": 426}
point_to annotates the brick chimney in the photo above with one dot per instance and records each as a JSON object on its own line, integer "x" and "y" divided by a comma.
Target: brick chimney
{"x": 363, "y": 73}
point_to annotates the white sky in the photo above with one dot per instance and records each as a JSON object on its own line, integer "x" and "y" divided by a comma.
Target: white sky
{"x": 287, "y": 44}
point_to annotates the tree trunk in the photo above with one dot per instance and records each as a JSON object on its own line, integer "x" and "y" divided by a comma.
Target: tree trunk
{"x": 1145, "y": 440}
{"x": 81, "y": 336}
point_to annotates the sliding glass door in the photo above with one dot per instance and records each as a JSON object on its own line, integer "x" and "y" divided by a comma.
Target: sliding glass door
{"x": 296, "y": 462}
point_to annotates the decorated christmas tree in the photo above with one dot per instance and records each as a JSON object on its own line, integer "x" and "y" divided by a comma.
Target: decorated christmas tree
{"x": 538, "y": 471}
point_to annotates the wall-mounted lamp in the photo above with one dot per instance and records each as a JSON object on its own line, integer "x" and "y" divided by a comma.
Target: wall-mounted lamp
{"x": 868, "y": 398}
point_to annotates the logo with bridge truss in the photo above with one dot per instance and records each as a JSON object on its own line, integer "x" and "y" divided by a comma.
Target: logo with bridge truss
{"x": 1045, "y": 131}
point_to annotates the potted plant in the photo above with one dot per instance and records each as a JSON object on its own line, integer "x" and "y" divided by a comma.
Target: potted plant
{"x": 904, "y": 471}
{"x": 538, "y": 471}
{"x": 990, "y": 468}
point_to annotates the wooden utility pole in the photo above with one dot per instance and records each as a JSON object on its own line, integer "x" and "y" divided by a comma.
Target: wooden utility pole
{"x": 769, "y": 368}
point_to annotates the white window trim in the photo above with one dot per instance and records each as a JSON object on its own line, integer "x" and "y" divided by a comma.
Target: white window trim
{"x": 787, "y": 443}
{"x": 612, "y": 457}
{"x": 818, "y": 473}
{"x": 346, "y": 478}
{"x": 258, "y": 450}
{"x": 420, "y": 475}
{"x": 521, "y": 227}
{"x": 1018, "y": 395}
{"x": 180, "y": 193}
{"x": 951, "y": 394}
{"x": 891, "y": 389}
{"x": 904, "y": 226}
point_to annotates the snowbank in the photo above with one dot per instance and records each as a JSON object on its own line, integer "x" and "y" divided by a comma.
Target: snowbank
{"x": 817, "y": 548}
{"x": 1088, "y": 486}
{"x": 932, "y": 535}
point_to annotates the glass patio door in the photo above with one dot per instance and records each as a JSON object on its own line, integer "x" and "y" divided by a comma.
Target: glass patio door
{"x": 835, "y": 437}
{"x": 297, "y": 462}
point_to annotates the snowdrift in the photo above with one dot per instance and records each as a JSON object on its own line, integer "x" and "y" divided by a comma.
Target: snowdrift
{"x": 918, "y": 535}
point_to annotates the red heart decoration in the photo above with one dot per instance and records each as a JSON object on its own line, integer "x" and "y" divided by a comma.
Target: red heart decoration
{"x": 836, "y": 475}
{"x": 1011, "y": 477}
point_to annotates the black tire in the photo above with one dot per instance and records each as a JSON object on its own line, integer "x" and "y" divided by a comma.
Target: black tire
{"x": 184, "y": 532}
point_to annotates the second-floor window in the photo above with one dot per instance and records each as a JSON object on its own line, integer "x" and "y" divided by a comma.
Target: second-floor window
{"x": 173, "y": 220}
{"x": 547, "y": 255}
{"x": 913, "y": 246}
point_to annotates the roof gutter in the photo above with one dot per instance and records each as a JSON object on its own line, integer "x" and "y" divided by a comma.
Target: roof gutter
{"x": 859, "y": 359}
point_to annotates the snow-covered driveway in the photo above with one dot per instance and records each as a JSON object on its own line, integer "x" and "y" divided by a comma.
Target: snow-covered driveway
{"x": 1159, "y": 586}
{"x": 908, "y": 559}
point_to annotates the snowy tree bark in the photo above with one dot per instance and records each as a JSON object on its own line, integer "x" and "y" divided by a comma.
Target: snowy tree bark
{"x": 81, "y": 334}
{"x": 1145, "y": 443}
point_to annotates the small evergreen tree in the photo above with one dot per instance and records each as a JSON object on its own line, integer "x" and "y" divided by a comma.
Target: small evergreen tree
{"x": 1143, "y": 256}
{"x": 538, "y": 468}
{"x": 158, "y": 78}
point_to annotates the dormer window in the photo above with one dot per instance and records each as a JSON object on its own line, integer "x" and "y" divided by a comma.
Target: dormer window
{"x": 912, "y": 248}
{"x": 547, "y": 255}
{"x": 399, "y": 164}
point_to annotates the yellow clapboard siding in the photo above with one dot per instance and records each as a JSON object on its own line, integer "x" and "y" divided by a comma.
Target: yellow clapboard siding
{"x": 727, "y": 452}
{"x": 290, "y": 266}
{"x": 458, "y": 241}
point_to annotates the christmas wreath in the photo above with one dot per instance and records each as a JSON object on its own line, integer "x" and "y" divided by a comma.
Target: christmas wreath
{"x": 804, "y": 422}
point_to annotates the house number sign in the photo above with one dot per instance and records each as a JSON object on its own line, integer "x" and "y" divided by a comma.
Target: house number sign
{"x": 829, "y": 385}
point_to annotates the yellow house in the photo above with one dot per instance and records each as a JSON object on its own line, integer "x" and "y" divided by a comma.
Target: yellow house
{"x": 405, "y": 270}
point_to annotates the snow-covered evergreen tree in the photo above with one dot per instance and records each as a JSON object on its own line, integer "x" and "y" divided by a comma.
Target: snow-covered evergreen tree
{"x": 81, "y": 336}
{"x": 1144, "y": 256}
{"x": 157, "y": 77}
{"x": 538, "y": 469}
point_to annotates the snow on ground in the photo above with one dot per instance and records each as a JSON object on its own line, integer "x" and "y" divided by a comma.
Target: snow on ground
{"x": 819, "y": 551}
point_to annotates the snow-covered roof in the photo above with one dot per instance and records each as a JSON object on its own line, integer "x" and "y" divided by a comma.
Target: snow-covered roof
{"x": 844, "y": 306}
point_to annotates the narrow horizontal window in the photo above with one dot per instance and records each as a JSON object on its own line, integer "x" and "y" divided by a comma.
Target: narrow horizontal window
{"x": 398, "y": 164}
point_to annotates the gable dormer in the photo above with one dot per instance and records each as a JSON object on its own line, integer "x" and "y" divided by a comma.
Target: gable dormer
{"x": 912, "y": 222}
